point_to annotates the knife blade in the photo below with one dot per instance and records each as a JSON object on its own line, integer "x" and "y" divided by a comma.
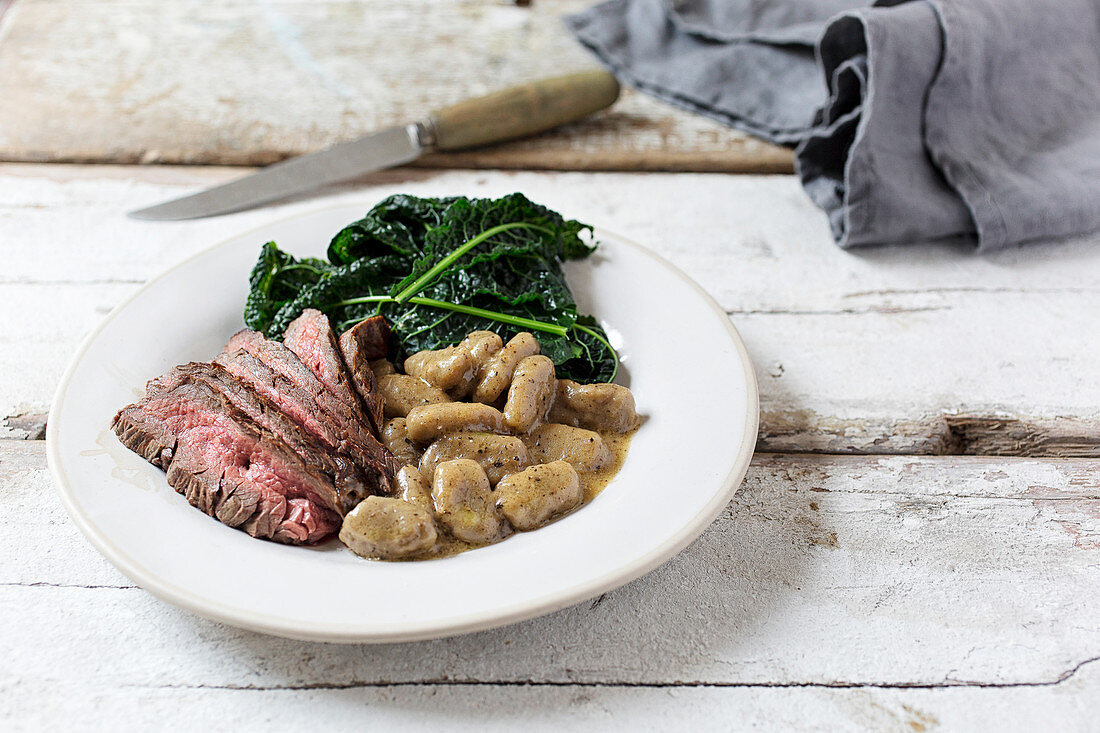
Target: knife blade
{"x": 383, "y": 149}
{"x": 504, "y": 115}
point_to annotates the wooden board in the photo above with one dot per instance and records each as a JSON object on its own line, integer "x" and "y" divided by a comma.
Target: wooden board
{"x": 554, "y": 708}
{"x": 847, "y": 591}
{"x": 249, "y": 83}
{"x": 926, "y": 349}
{"x": 835, "y": 592}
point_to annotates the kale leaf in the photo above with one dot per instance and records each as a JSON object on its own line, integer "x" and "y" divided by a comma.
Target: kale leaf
{"x": 439, "y": 268}
{"x": 398, "y": 225}
{"x": 276, "y": 279}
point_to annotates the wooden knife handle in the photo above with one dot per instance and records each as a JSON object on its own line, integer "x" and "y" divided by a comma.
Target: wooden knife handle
{"x": 523, "y": 110}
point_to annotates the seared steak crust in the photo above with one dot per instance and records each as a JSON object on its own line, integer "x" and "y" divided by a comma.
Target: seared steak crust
{"x": 371, "y": 338}
{"x": 227, "y": 465}
{"x": 361, "y": 344}
{"x": 351, "y": 486}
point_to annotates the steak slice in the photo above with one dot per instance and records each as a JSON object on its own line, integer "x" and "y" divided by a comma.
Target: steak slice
{"x": 227, "y": 465}
{"x": 353, "y": 435}
{"x": 304, "y": 409}
{"x": 351, "y": 485}
{"x": 311, "y": 338}
{"x": 284, "y": 394}
{"x": 361, "y": 344}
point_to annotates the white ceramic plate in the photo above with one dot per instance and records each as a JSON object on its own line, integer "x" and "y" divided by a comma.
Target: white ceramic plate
{"x": 683, "y": 360}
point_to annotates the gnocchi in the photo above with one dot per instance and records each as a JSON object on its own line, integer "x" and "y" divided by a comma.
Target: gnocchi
{"x": 535, "y": 495}
{"x": 482, "y": 345}
{"x": 396, "y": 439}
{"x": 498, "y": 455}
{"x": 606, "y": 407}
{"x": 450, "y": 369}
{"x": 491, "y": 442}
{"x": 387, "y": 528}
{"x": 463, "y": 501}
{"x": 428, "y": 422}
{"x": 583, "y": 449}
{"x": 401, "y": 393}
{"x": 529, "y": 396}
{"x": 497, "y": 374}
{"x": 412, "y": 487}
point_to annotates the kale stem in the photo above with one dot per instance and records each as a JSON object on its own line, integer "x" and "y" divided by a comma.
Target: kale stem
{"x": 596, "y": 335}
{"x": 467, "y": 309}
{"x": 364, "y": 299}
{"x": 421, "y": 282}
{"x": 493, "y": 315}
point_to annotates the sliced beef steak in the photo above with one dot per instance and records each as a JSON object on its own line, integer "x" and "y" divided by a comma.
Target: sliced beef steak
{"x": 311, "y": 339}
{"x": 294, "y": 402}
{"x": 361, "y": 344}
{"x": 350, "y": 428}
{"x": 351, "y": 485}
{"x": 229, "y": 466}
{"x": 370, "y": 339}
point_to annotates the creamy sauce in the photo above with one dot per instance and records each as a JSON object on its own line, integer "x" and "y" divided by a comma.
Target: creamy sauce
{"x": 137, "y": 476}
{"x": 592, "y": 483}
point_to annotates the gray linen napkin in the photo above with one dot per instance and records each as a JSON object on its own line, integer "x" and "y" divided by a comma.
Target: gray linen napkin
{"x": 913, "y": 120}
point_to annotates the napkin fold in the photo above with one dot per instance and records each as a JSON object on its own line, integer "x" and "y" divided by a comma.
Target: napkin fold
{"x": 912, "y": 120}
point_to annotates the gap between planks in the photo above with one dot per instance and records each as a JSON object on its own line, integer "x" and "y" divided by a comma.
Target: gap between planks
{"x": 807, "y": 544}
{"x": 810, "y": 410}
{"x": 946, "y": 435}
{"x": 842, "y": 684}
{"x": 837, "y": 685}
{"x": 504, "y": 156}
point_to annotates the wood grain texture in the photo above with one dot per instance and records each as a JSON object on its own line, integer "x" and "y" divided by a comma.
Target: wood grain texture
{"x": 922, "y": 349}
{"x": 854, "y": 585}
{"x": 143, "y": 81}
{"x": 834, "y": 592}
{"x": 554, "y": 708}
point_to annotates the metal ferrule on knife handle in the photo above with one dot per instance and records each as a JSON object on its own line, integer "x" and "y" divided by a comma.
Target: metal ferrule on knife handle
{"x": 422, "y": 133}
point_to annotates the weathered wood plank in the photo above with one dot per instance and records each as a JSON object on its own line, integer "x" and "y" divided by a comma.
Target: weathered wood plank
{"x": 824, "y": 570}
{"x": 42, "y": 327}
{"x": 979, "y": 375}
{"x": 88, "y": 706}
{"x": 926, "y": 349}
{"x": 756, "y": 243}
{"x": 249, "y": 83}
{"x": 816, "y": 393}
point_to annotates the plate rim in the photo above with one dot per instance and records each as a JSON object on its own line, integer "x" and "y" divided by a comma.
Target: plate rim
{"x": 414, "y": 631}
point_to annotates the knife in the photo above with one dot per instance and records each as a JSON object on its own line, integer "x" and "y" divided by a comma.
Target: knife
{"x": 504, "y": 115}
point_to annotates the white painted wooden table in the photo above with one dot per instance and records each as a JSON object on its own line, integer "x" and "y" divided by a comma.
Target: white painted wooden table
{"x": 916, "y": 546}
